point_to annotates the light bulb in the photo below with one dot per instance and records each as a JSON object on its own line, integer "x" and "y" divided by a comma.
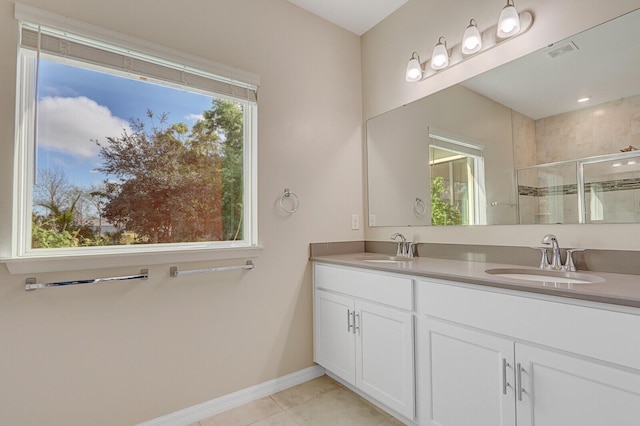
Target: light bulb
{"x": 509, "y": 21}
{"x": 471, "y": 40}
{"x": 440, "y": 56}
{"x": 414, "y": 69}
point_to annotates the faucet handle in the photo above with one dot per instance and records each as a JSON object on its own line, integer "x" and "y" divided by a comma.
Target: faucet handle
{"x": 568, "y": 263}
{"x": 411, "y": 249}
{"x": 544, "y": 260}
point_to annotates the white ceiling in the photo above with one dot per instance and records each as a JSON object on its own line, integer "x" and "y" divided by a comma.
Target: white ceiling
{"x": 357, "y": 16}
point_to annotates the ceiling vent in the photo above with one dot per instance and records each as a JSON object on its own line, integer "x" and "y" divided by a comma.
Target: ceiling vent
{"x": 555, "y": 52}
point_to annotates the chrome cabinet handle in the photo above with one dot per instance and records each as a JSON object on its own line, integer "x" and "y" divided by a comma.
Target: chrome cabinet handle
{"x": 505, "y": 383}
{"x": 356, "y": 322}
{"x": 519, "y": 381}
{"x": 349, "y": 324}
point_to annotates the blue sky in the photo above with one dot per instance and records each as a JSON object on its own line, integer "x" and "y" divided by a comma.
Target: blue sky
{"x": 78, "y": 105}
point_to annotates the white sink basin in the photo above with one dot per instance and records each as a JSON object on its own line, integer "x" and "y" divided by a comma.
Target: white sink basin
{"x": 545, "y": 276}
{"x": 385, "y": 259}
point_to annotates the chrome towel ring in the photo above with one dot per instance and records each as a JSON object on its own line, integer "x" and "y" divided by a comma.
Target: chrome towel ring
{"x": 288, "y": 194}
{"x": 419, "y": 207}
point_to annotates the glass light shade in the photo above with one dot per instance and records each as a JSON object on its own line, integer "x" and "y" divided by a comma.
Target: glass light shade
{"x": 414, "y": 70}
{"x": 440, "y": 56}
{"x": 509, "y": 21}
{"x": 471, "y": 40}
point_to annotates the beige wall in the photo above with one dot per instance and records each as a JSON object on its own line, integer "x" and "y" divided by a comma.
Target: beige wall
{"x": 121, "y": 353}
{"x": 416, "y": 26}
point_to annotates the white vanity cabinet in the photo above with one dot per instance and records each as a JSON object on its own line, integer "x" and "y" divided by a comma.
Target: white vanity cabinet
{"x": 495, "y": 359}
{"x": 363, "y": 332}
{"x": 565, "y": 389}
{"x": 467, "y": 376}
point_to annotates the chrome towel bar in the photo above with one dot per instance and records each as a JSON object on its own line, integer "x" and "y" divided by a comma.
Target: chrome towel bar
{"x": 173, "y": 271}
{"x": 30, "y": 283}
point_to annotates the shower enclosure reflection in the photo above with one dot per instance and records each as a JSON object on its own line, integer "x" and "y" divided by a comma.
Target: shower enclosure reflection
{"x": 602, "y": 189}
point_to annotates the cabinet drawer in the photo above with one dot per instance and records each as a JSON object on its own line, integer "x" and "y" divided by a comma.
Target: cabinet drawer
{"x": 382, "y": 288}
{"x": 592, "y": 332}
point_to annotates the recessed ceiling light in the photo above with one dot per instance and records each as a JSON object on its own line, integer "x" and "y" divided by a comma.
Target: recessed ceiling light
{"x": 584, "y": 99}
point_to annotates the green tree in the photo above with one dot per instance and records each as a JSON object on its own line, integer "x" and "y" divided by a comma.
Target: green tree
{"x": 169, "y": 182}
{"x": 442, "y": 213}
{"x": 57, "y": 196}
{"x": 146, "y": 165}
{"x": 57, "y": 220}
{"x": 225, "y": 120}
{"x": 43, "y": 235}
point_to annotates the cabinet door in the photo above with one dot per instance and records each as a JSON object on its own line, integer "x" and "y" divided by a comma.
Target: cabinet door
{"x": 469, "y": 376}
{"x": 334, "y": 334}
{"x": 384, "y": 356}
{"x": 560, "y": 390}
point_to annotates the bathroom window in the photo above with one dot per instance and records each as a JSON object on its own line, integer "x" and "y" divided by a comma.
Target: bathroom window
{"x": 122, "y": 151}
{"x": 457, "y": 181}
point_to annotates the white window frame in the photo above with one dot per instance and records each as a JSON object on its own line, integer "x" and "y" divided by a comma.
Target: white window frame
{"x": 24, "y": 259}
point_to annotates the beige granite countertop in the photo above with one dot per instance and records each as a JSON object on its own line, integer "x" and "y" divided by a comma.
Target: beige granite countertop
{"x": 616, "y": 289}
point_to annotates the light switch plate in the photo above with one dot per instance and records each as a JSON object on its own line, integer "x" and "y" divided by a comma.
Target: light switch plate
{"x": 355, "y": 221}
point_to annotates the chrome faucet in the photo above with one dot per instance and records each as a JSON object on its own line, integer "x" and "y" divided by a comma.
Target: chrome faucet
{"x": 556, "y": 261}
{"x": 405, "y": 248}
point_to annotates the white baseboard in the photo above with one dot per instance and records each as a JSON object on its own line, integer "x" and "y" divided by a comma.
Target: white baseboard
{"x": 232, "y": 400}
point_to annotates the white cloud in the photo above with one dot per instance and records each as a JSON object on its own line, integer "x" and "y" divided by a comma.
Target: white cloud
{"x": 194, "y": 117}
{"x": 70, "y": 125}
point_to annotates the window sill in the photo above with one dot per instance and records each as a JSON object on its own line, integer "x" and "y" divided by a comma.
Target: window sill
{"x": 62, "y": 263}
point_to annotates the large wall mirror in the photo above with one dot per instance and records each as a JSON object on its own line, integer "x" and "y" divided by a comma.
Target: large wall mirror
{"x": 514, "y": 145}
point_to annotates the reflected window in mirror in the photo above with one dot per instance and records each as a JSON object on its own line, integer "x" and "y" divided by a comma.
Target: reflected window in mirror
{"x": 457, "y": 183}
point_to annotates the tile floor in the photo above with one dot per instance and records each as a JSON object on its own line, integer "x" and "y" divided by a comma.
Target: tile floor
{"x": 318, "y": 402}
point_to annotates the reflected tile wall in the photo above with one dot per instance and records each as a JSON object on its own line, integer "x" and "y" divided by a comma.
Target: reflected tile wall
{"x": 613, "y": 207}
{"x": 524, "y": 140}
{"x": 598, "y": 130}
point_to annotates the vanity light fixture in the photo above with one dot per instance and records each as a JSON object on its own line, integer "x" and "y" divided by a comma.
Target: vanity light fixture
{"x": 471, "y": 40}
{"x": 509, "y": 21}
{"x": 440, "y": 56}
{"x": 414, "y": 69}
